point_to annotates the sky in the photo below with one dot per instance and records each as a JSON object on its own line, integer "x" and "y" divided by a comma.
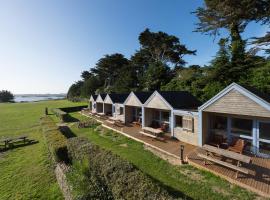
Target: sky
{"x": 46, "y": 44}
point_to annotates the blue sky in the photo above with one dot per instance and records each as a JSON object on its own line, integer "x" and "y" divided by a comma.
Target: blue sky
{"x": 45, "y": 45}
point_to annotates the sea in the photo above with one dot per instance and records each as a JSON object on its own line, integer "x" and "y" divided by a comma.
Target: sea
{"x": 34, "y": 98}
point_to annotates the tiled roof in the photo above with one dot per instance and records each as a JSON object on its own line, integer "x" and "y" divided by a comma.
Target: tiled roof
{"x": 143, "y": 96}
{"x": 118, "y": 98}
{"x": 103, "y": 96}
{"x": 180, "y": 99}
{"x": 94, "y": 96}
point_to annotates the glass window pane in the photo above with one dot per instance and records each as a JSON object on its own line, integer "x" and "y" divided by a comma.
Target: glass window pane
{"x": 165, "y": 116}
{"x": 265, "y": 148}
{"x": 121, "y": 110}
{"x": 219, "y": 122}
{"x": 156, "y": 115}
{"x": 264, "y": 130}
{"x": 178, "y": 121}
{"x": 242, "y": 126}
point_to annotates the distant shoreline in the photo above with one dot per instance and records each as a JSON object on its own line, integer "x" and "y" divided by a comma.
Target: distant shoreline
{"x": 36, "y": 98}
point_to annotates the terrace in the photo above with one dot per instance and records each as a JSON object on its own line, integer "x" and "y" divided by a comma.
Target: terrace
{"x": 258, "y": 179}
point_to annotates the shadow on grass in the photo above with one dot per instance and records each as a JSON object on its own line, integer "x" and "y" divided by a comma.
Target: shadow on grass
{"x": 18, "y": 145}
{"x": 67, "y": 132}
{"x": 69, "y": 118}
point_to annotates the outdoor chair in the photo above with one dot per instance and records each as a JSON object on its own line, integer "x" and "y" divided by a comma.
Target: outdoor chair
{"x": 237, "y": 146}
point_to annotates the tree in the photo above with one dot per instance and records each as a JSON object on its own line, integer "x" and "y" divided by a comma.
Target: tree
{"x": 260, "y": 78}
{"x": 220, "y": 65}
{"x": 86, "y": 75}
{"x": 6, "y": 96}
{"x": 90, "y": 86}
{"x": 157, "y": 75}
{"x": 75, "y": 90}
{"x": 233, "y": 16}
{"x": 188, "y": 79}
{"x": 108, "y": 68}
{"x": 164, "y": 48}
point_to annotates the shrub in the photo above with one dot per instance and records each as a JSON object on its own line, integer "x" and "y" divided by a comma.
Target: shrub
{"x": 56, "y": 141}
{"x": 63, "y": 116}
{"x": 121, "y": 178}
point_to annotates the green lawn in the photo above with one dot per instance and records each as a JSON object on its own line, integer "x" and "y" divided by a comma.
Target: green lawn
{"x": 26, "y": 172}
{"x": 188, "y": 180}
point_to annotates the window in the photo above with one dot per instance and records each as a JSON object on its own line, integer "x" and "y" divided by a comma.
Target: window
{"x": 156, "y": 115}
{"x": 218, "y": 122}
{"x": 265, "y": 148}
{"x": 121, "y": 110}
{"x": 165, "y": 116}
{"x": 94, "y": 105}
{"x": 178, "y": 121}
{"x": 188, "y": 123}
{"x": 242, "y": 126}
{"x": 264, "y": 130}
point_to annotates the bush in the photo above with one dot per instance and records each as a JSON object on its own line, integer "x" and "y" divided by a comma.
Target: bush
{"x": 6, "y": 96}
{"x": 56, "y": 141}
{"x": 63, "y": 116}
{"x": 120, "y": 178}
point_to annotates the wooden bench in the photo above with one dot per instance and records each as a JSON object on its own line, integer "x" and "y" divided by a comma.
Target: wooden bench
{"x": 211, "y": 150}
{"x": 220, "y": 162}
{"x": 152, "y": 136}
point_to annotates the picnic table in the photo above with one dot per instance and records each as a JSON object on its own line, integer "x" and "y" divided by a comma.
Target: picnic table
{"x": 9, "y": 141}
{"x": 155, "y": 131}
{"x": 239, "y": 158}
{"x": 152, "y": 132}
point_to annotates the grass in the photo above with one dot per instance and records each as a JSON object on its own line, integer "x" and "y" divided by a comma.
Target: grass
{"x": 26, "y": 172}
{"x": 193, "y": 183}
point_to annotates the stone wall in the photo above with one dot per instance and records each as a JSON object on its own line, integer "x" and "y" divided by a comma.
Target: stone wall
{"x": 60, "y": 171}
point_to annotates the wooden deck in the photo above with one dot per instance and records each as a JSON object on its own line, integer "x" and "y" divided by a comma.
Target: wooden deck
{"x": 169, "y": 145}
{"x": 258, "y": 179}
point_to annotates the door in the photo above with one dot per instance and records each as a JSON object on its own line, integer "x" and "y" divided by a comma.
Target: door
{"x": 264, "y": 138}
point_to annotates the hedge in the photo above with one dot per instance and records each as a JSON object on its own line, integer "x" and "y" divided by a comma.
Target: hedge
{"x": 119, "y": 178}
{"x": 63, "y": 116}
{"x": 56, "y": 141}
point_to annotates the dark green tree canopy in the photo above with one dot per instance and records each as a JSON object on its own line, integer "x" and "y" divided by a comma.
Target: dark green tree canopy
{"x": 108, "y": 68}
{"x": 164, "y": 48}
{"x": 6, "y": 96}
{"x": 229, "y": 14}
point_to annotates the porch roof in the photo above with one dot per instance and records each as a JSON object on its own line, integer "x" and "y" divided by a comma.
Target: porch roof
{"x": 118, "y": 98}
{"x": 93, "y": 97}
{"x": 143, "y": 96}
{"x": 180, "y": 99}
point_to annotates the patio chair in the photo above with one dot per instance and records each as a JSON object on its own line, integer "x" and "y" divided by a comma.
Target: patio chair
{"x": 164, "y": 127}
{"x": 237, "y": 146}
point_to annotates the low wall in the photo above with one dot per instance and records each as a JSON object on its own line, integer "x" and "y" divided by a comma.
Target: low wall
{"x": 60, "y": 171}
